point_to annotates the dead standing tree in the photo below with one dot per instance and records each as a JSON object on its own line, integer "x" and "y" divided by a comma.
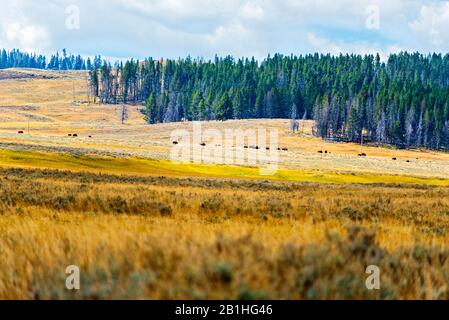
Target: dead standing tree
{"x": 123, "y": 113}
{"x": 294, "y": 124}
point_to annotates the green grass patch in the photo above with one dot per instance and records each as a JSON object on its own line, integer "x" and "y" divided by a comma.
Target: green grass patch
{"x": 150, "y": 167}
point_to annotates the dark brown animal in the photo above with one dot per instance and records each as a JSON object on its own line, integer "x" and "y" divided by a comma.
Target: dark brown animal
{"x": 20, "y": 132}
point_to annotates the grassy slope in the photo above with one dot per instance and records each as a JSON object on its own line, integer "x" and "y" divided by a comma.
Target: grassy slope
{"x": 203, "y": 239}
{"x": 44, "y": 103}
{"x": 218, "y": 240}
{"x": 140, "y": 166}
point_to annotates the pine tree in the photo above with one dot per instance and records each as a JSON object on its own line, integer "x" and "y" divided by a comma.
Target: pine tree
{"x": 150, "y": 110}
{"x": 224, "y": 109}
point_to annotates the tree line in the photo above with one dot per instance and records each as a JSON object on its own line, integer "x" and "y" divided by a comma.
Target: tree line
{"x": 403, "y": 101}
{"x": 19, "y": 59}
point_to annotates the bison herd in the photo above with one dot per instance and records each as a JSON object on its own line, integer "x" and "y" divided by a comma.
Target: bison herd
{"x": 203, "y": 144}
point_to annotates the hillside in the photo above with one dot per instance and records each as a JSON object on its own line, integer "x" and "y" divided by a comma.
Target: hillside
{"x": 40, "y": 103}
{"x": 141, "y": 227}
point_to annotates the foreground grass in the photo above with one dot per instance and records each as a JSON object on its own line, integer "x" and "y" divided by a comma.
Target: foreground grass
{"x": 155, "y": 237}
{"x": 149, "y": 167}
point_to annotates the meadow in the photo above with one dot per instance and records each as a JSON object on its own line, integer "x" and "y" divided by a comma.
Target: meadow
{"x": 141, "y": 227}
{"x": 181, "y": 238}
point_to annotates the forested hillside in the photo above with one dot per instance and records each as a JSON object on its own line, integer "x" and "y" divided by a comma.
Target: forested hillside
{"x": 403, "y": 101}
{"x": 18, "y": 59}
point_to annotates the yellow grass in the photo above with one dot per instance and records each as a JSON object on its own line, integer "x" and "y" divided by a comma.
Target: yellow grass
{"x": 149, "y": 167}
{"x": 187, "y": 239}
{"x": 140, "y": 226}
{"x": 43, "y": 107}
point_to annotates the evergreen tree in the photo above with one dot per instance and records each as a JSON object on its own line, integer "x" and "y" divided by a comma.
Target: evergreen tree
{"x": 224, "y": 109}
{"x": 150, "y": 110}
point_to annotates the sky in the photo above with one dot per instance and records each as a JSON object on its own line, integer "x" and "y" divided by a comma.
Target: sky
{"x": 202, "y": 28}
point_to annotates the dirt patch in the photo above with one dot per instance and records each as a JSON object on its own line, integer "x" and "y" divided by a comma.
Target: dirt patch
{"x": 12, "y": 75}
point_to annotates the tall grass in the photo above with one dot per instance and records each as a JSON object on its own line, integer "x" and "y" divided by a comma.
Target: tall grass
{"x": 154, "y": 237}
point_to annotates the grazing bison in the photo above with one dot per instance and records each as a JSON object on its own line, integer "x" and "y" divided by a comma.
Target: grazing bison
{"x": 175, "y": 142}
{"x": 20, "y": 132}
{"x": 394, "y": 159}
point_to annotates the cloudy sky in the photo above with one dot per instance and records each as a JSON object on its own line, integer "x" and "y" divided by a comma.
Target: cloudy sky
{"x": 203, "y": 28}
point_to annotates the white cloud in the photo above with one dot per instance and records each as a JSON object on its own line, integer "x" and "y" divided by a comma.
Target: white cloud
{"x": 431, "y": 26}
{"x": 235, "y": 39}
{"x": 17, "y": 31}
{"x": 176, "y": 28}
{"x": 180, "y": 9}
{"x": 251, "y": 11}
{"x": 324, "y": 45}
{"x": 27, "y": 37}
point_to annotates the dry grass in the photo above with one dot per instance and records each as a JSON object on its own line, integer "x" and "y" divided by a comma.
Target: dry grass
{"x": 76, "y": 161}
{"x": 44, "y": 103}
{"x": 139, "y": 226}
{"x": 188, "y": 239}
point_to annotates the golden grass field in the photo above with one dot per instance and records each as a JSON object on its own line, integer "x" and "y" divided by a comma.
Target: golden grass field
{"x": 140, "y": 226}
